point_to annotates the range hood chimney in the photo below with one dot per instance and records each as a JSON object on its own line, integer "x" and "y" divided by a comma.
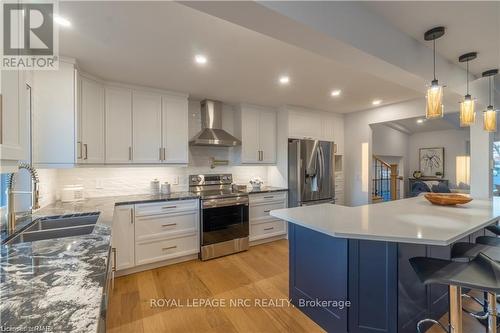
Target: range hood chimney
{"x": 211, "y": 133}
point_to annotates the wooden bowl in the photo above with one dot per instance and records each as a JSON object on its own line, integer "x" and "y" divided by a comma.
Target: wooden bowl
{"x": 447, "y": 199}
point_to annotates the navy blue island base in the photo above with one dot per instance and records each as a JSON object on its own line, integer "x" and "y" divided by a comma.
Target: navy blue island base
{"x": 385, "y": 294}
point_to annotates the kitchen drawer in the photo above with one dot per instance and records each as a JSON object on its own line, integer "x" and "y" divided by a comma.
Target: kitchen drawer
{"x": 262, "y": 210}
{"x": 267, "y": 229}
{"x": 166, "y": 224}
{"x": 267, "y": 197}
{"x": 148, "y": 252}
{"x": 165, "y": 207}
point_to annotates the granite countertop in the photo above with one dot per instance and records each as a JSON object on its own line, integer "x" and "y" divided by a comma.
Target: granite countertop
{"x": 413, "y": 220}
{"x": 57, "y": 284}
{"x": 265, "y": 189}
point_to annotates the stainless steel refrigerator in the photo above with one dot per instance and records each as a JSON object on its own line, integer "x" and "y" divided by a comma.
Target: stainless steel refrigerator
{"x": 310, "y": 172}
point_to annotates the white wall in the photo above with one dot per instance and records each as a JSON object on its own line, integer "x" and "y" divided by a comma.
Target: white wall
{"x": 454, "y": 143}
{"x": 358, "y": 145}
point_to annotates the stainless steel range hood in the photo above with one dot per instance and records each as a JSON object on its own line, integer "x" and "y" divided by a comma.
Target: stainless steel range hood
{"x": 211, "y": 133}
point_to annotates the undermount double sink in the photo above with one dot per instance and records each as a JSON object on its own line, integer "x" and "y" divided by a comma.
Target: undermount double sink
{"x": 57, "y": 227}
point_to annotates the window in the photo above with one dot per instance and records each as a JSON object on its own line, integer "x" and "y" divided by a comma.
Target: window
{"x": 496, "y": 168}
{"x": 3, "y": 189}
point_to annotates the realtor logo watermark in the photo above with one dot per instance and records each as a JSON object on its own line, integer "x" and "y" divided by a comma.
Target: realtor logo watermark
{"x": 29, "y": 36}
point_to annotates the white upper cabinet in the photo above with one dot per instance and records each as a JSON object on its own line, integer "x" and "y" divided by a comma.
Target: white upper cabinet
{"x": 267, "y": 136}
{"x": 304, "y": 125}
{"x": 11, "y": 118}
{"x": 91, "y": 125}
{"x": 250, "y": 149}
{"x": 257, "y": 127}
{"x": 53, "y": 116}
{"x": 118, "y": 125}
{"x": 175, "y": 129}
{"x": 309, "y": 124}
{"x": 147, "y": 127}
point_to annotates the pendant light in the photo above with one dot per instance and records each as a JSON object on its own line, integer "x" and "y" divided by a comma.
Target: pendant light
{"x": 467, "y": 112}
{"x": 434, "y": 98}
{"x": 490, "y": 114}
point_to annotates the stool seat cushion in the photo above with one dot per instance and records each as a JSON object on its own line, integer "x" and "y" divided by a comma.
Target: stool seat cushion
{"x": 468, "y": 251}
{"x": 488, "y": 240}
{"x": 481, "y": 273}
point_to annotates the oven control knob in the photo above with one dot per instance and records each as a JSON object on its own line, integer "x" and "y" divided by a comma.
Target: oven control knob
{"x": 224, "y": 178}
{"x": 198, "y": 179}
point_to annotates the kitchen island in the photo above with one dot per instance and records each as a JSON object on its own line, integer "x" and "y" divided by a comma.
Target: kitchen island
{"x": 349, "y": 268}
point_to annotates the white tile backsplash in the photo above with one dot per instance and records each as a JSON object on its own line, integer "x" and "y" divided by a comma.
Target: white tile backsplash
{"x": 111, "y": 181}
{"x": 48, "y": 186}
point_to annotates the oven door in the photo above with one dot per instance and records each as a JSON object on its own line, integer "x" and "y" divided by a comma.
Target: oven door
{"x": 224, "y": 220}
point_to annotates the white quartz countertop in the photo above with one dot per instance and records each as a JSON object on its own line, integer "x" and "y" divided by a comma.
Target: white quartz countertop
{"x": 413, "y": 220}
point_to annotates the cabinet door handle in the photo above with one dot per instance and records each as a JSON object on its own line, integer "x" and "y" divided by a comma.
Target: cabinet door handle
{"x": 160, "y": 152}
{"x": 169, "y": 225}
{"x": 267, "y": 229}
{"x": 79, "y": 150}
{"x": 267, "y": 211}
{"x": 130, "y": 153}
{"x": 86, "y": 148}
{"x": 169, "y": 248}
{"x": 113, "y": 267}
{"x": 131, "y": 216}
{"x": 269, "y": 197}
{"x": 168, "y": 207}
{"x": 164, "y": 153}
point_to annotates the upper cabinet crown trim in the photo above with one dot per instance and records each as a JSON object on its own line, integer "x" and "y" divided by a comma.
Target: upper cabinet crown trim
{"x": 134, "y": 87}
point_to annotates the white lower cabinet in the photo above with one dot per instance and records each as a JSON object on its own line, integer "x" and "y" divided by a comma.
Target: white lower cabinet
{"x": 262, "y": 225}
{"x": 123, "y": 237}
{"x": 155, "y": 232}
{"x": 169, "y": 248}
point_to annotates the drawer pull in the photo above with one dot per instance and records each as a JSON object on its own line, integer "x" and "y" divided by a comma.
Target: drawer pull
{"x": 270, "y": 228}
{"x": 269, "y": 197}
{"x": 267, "y": 211}
{"x": 169, "y": 248}
{"x": 169, "y": 225}
{"x": 168, "y": 207}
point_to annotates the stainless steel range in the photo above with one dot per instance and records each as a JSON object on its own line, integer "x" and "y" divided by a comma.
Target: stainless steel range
{"x": 224, "y": 215}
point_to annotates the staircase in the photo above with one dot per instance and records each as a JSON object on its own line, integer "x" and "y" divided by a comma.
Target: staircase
{"x": 385, "y": 182}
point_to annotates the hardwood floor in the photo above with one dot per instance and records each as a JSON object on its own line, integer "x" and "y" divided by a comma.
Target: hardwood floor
{"x": 258, "y": 274}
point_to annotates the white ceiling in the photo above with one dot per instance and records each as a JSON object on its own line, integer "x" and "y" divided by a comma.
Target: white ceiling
{"x": 470, "y": 26}
{"x": 153, "y": 44}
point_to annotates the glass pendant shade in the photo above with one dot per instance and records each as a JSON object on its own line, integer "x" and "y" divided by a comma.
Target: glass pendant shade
{"x": 490, "y": 119}
{"x": 434, "y": 106}
{"x": 467, "y": 112}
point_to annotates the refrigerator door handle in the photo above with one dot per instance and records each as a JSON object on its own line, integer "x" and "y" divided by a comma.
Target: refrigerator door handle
{"x": 321, "y": 167}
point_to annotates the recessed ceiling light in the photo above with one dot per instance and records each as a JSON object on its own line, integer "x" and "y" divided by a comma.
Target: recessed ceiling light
{"x": 284, "y": 79}
{"x": 420, "y": 121}
{"x": 336, "y": 92}
{"x": 377, "y": 101}
{"x": 62, "y": 21}
{"x": 200, "y": 59}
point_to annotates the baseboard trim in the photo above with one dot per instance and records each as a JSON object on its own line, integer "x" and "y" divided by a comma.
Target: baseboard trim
{"x": 154, "y": 265}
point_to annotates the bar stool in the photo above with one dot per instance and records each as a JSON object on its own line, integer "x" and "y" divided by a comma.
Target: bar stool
{"x": 465, "y": 252}
{"x": 494, "y": 229}
{"x": 481, "y": 273}
{"x": 488, "y": 240}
